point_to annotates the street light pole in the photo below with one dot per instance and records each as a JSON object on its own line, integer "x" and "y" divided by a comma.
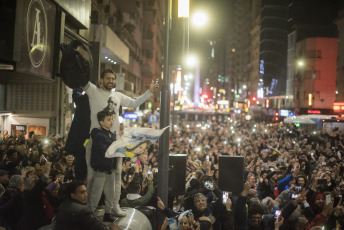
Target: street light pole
{"x": 164, "y": 142}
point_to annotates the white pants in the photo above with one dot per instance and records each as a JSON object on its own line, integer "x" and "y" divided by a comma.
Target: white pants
{"x": 90, "y": 179}
{"x": 102, "y": 181}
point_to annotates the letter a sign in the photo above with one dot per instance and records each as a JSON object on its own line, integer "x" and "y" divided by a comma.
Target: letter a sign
{"x": 36, "y": 32}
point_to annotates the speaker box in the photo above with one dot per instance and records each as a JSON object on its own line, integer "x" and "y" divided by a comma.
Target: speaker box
{"x": 176, "y": 174}
{"x": 231, "y": 174}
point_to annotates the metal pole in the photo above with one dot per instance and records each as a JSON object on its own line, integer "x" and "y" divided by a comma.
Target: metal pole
{"x": 313, "y": 77}
{"x": 173, "y": 101}
{"x": 165, "y": 115}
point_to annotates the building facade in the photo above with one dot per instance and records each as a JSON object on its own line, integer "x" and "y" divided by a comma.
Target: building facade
{"x": 32, "y": 96}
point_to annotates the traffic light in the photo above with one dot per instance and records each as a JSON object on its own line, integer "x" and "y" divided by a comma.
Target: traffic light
{"x": 276, "y": 116}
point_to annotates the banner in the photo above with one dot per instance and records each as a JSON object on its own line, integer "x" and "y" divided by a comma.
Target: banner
{"x": 133, "y": 142}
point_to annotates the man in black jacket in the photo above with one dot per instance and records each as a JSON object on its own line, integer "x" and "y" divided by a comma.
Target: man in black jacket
{"x": 73, "y": 213}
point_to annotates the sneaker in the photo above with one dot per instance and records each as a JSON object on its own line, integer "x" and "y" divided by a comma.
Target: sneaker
{"x": 117, "y": 211}
{"x": 108, "y": 218}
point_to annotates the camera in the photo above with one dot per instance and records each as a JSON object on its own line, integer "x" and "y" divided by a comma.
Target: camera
{"x": 156, "y": 85}
{"x": 208, "y": 184}
{"x": 328, "y": 199}
{"x": 149, "y": 171}
{"x": 224, "y": 197}
{"x": 297, "y": 188}
{"x": 132, "y": 165}
{"x": 277, "y": 214}
{"x": 207, "y": 157}
{"x": 293, "y": 196}
{"x": 43, "y": 159}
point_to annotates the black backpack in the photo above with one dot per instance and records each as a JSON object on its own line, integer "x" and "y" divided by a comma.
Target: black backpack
{"x": 74, "y": 68}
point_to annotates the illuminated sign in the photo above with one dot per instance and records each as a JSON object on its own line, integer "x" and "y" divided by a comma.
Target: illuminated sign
{"x": 310, "y": 97}
{"x": 313, "y": 111}
{"x": 222, "y": 102}
{"x": 130, "y": 116}
{"x": 284, "y": 113}
{"x": 260, "y": 93}
{"x": 338, "y": 106}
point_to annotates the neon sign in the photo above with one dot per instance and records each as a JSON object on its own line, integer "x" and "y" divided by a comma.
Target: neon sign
{"x": 313, "y": 111}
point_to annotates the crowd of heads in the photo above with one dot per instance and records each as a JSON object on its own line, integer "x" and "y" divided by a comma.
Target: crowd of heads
{"x": 283, "y": 163}
{"x": 283, "y": 166}
{"x": 24, "y": 164}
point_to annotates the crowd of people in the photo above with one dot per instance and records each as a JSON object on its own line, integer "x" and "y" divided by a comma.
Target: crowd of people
{"x": 292, "y": 179}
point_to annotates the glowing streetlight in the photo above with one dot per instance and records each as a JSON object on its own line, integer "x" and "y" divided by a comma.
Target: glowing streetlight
{"x": 300, "y": 63}
{"x": 199, "y": 19}
{"x": 183, "y": 8}
{"x": 191, "y": 61}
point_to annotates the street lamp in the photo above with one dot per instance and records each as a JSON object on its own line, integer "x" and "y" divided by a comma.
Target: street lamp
{"x": 310, "y": 95}
{"x": 199, "y": 19}
{"x": 183, "y": 8}
{"x": 183, "y": 12}
{"x": 191, "y": 61}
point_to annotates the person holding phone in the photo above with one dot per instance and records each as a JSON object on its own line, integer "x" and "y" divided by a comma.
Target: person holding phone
{"x": 133, "y": 198}
{"x": 98, "y": 100}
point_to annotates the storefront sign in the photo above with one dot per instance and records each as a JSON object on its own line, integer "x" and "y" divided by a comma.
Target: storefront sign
{"x": 37, "y": 41}
{"x": 284, "y": 112}
{"x": 18, "y": 129}
{"x": 36, "y": 32}
{"x": 130, "y": 116}
{"x": 313, "y": 111}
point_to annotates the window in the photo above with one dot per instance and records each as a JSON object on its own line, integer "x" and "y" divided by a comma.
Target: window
{"x": 309, "y": 74}
{"x": 94, "y": 17}
{"x": 313, "y": 54}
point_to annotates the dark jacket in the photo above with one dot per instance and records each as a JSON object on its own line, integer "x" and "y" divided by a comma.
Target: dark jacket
{"x": 34, "y": 215}
{"x": 75, "y": 216}
{"x": 101, "y": 140}
{"x": 79, "y": 132}
{"x": 242, "y": 219}
{"x": 10, "y": 208}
